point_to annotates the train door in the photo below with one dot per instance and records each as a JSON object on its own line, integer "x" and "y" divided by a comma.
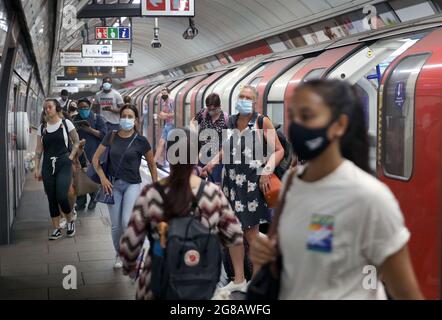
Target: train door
{"x": 364, "y": 69}
{"x": 409, "y": 151}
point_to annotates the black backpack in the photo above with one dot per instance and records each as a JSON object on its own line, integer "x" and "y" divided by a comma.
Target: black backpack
{"x": 189, "y": 267}
{"x": 286, "y": 162}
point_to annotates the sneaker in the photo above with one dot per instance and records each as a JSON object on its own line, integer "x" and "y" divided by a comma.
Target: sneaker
{"x": 63, "y": 223}
{"x": 232, "y": 286}
{"x": 71, "y": 229}
{"x": 92, "y": 205}
{"x": 80, "y": 208}
{"x": 74, "y": 215}
{"x": 56, "y": 234}
{"x": 118, "y": 263}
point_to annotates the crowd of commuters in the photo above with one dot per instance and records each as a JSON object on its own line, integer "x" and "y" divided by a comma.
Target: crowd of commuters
{"x": 335, "y": 218}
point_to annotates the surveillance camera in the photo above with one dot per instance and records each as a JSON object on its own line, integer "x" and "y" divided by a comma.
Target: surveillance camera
{"x": 156, "y": 43}
{"x": 131, "y": 61}
{"x": 190, "y": 33}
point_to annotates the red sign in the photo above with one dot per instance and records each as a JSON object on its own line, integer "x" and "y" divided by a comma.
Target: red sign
{"x": 169, "y": 8}
{"x": 156, "y": 5}
{"x": 101, "y": 33}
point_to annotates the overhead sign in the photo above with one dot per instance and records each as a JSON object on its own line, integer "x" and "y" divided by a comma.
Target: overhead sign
{"x": 113, "y": 33}
{"x": 69, "y": 89}
{"x": 94, "y": 72}
{"x": 74, "y": 59}
{"x": 61, "y": 81}
{"x": 168, "y": 8}
{"x": 96, "y": 51}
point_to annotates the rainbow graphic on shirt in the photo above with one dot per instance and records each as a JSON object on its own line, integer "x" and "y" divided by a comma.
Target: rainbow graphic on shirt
{"x": 320, "y": 237}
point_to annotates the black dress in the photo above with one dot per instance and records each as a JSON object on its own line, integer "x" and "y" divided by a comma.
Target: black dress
{"x": 241, "y": 178}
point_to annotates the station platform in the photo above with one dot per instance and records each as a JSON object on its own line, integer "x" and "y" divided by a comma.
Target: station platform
{"x": 31, "y": 266}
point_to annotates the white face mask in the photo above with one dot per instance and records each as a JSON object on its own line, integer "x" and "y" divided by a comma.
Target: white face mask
{"x": 107, "y": 86}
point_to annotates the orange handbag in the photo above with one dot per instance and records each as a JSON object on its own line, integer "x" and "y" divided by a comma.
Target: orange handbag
{"x": 271, "y": 196}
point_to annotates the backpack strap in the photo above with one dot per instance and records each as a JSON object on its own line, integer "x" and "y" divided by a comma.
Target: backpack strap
{"x": 67, "y": 133}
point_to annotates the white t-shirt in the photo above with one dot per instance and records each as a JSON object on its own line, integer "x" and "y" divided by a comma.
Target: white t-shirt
{"x": 331, "y": 229}
{"x": 54, "y": 127}
{"x": 109, "y": 99}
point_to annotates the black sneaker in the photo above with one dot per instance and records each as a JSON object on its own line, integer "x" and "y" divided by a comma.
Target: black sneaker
{"x": 56, "y": 234}
{"x": 92, "y": 205}
{"x": 80, "y": 207}
{"x": 71, "y": 229}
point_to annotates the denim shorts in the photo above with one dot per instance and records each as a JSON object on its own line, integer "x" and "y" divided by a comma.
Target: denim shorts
{"x": 167, "y": 128}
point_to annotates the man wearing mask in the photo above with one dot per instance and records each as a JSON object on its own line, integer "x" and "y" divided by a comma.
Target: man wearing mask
{"x": 167, "y": 115}
{"x": 64, "y": 100}
{"x": 92, "y": 128}
{"x": 108, "y": 102}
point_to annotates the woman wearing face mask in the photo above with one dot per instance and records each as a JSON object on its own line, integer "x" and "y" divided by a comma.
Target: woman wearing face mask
{"x": 208, "y": 119}
{"x": 337, "y": 219}
{"x": 243, "y": 182}
{"x": 127, "y": 148}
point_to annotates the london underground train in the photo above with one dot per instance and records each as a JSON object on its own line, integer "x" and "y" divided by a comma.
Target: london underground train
{"x": 399, "y": 74}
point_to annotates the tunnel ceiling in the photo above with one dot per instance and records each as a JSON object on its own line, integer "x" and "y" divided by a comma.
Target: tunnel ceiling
{"x": 222, "y": 24}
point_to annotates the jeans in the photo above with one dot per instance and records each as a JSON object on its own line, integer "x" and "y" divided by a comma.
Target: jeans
{"x": 167, "y": 128}
{"x": 125, "y": 196}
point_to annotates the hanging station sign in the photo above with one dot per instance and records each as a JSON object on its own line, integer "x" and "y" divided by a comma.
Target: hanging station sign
{"x": 96, "y": 51}
{"x": 75, "y": 59}
{"x": 113, "y": 33}
{"x": 168, "y": 8}
{"x": 94, "y": 72}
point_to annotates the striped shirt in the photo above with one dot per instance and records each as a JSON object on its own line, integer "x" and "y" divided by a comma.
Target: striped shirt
{"x": 214, "y": 209}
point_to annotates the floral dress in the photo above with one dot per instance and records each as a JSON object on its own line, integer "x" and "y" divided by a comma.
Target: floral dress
{"x": 241, "y": 179}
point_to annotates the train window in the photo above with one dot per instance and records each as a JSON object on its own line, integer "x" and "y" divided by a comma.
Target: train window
{"x": 199, "y": 98}
{"x": 186, "y": 115}
{"x": 255, "y": 82}
{"x": 398, "y": 117}
{"x": 313, "y": 74}
{"x": 275, "y": 111}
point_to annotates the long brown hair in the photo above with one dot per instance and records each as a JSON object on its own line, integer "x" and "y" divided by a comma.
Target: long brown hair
{"x": 179, "y": 196}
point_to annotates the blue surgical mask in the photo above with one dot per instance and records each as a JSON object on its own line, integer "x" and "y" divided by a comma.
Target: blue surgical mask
{"x": 127, "y": 124}
{"x": 84, "y": 113}
{"x": 107, "y": 86}
{"x": 244, "y": 106}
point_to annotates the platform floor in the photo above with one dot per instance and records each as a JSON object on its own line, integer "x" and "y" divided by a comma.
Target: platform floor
{"x": 31, "y": 267}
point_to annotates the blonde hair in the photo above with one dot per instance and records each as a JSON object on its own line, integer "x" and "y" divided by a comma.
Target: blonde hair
{"x": 251, "y": 88}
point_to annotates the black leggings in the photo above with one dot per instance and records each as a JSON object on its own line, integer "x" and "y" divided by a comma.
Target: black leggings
{"x": 57, "y": 177}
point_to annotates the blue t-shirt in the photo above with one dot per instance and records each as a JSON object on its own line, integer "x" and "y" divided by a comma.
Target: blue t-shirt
{"x": 129, "y": 170}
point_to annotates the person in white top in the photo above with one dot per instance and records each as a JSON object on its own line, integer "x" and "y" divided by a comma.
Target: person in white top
{"x": 108, "y": 103}
{"x": 58, "y": 143}
{"x": 341, "y": 233}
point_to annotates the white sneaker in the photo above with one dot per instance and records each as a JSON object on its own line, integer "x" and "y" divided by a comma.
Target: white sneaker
{"x": 63, "y": 223}
{"x": 232, "y": 286}
{"x": 118, "y": 263}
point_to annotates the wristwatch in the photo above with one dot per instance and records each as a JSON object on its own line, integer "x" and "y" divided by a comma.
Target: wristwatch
{"x": 268, "y": 169}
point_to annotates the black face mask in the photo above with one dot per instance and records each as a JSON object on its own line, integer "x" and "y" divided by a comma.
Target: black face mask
{"x": 308, "y": 143}
{"x": 164, "y": 96}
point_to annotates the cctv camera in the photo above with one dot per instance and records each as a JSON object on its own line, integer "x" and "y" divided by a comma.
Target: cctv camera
{"x": 190, "y": 33}
{"x": 131, "y": 61}
{"x": 156, "y": 43}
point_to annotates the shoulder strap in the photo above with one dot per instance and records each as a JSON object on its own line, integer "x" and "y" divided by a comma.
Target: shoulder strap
{"x": 274, "y": 226}
{"x": 261, "y": 121}
{"x": 124, "y": 153}
{"x": 232, "y": 121}
{"x": 67, "y": 133}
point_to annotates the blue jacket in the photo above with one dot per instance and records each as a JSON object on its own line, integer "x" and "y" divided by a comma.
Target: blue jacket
{"x": 96, "y": 122}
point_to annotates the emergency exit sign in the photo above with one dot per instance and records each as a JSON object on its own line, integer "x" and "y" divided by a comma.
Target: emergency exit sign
{"x": 168, "y": 8}
{"x": 113, "y": 33}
